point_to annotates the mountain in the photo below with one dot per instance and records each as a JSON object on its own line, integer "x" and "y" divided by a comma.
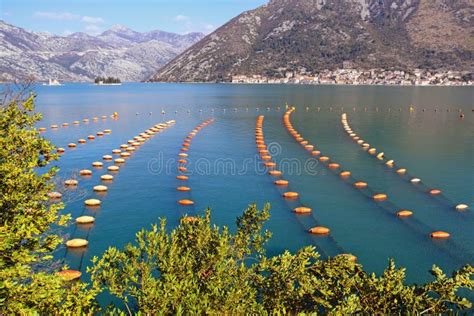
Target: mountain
{"x": 313, "y": 35}
{"x": 118, "y": 52}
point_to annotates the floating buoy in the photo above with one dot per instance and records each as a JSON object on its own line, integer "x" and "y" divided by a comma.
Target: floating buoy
{"x": 319, "y": 230}
{"x": 116, "y": 151}
{"x": 401, "y": 171}
{"x": 415, "y": 180}
{"x": 365, "y": 145}
{"x": 69, "y": 275}
{"x": 100, "y": 133}
{"x": 333, "y": 165}
{"x": 81, "y": 141}
{"x": 360, "y": 141}
{"x": 462, "y": 207}
{"x": 92, "y": 202}
{"x": 76, "y": 122}
{"x": 125, "y": 154}
{"x": 100, "y": 188}
{"x": 85, "y": 220}
{"x": 42, "y": 129}
{"x": 345, "y": 174}
{"x": 71, "y": 145}
{"x": 107, "y": 157}
{"x": 185, "y": 202}
{"x": 360, "y": 184}
{"x": 309, "y": 147}
{"x": 275, "y": 173}
{"x": 54, "y": 126}
{"x": 380, "y": 197}
{"x": 348, "y": 256}
{"x": 404, "y": 213}
{"x": 183, "y": 155}
{"x": 182, "y": 177}
{"x": 281, "y": 182}
{"x": 70, "y": 182}
{"x": 91, "y": 137}
{"x": 270, "y": 164}
{"x": 372, "y": 151}
{"x": 65, "y": 124}
{"x": 266, "y": 157}
{"x": 189, "y": 219}
{"x": 54, "y": 195}
{"x": 183, "y": 161}
{"x": 323, "y": 158}
{"x": 183, "y": 169}
{"x": 130, "y": 148}
{"x": 113, "y": 168}
{"x": 315, "y": 153}
{"x": 85, "y": 172}
{"x": 183, "y": 188}
{"x": 123, "y": 146}
{"x": 107, "y": 131}
{"x": 304, "y": 143}
{"x": 435, "y": 192}
{"x": 97, "y": 164}
{"x": 302, "y": 210}
{"x": 85, "y": 120}
{"x": 76, "y": 243}
{"x": 106, "y": 177}
{"x": 389, "y": 163}
{"x": 119, "y": 160}
{"x": 290, "y": 195}
{"x": 440, "y": 234}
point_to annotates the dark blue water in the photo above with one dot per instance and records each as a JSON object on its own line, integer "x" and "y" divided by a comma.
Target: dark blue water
{"x": 224, "y": 173}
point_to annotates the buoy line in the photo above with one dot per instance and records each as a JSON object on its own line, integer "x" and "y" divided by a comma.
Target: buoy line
{"x": 185, "y": 199}
{"x": 388, "y": 206}
{"x": 402, "y": 172}
{"x": 292, "y": 198}
{"x": 94, "y": 203}
{"x": 43, "y": 129}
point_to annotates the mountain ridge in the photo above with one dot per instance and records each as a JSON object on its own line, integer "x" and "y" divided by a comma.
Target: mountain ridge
{"x": 313, "y": 35}
{"x": 118, "y": 52}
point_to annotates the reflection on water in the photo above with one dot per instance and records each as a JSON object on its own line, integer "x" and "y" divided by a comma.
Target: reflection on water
{"x": 435, "y": 146}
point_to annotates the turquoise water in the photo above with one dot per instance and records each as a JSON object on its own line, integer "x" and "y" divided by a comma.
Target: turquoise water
{"x": 434, "y": 145}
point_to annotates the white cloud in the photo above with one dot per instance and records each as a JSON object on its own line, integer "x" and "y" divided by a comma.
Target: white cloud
{"x": 67, "y": 32}
{"x": 63, "y": 16}
{"x": 92, "y": 20}
{"x": 181, "y": 18}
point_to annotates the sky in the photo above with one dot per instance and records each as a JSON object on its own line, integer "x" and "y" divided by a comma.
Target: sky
{"x": 63, "y": 17}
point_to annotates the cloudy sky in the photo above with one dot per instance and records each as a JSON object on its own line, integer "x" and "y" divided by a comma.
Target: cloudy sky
{"x": 63, "y": 17}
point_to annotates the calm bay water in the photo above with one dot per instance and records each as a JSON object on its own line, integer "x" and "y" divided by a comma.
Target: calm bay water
{"x": 435, "y": 146}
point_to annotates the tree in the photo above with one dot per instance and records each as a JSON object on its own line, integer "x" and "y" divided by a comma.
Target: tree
{"x": 27, "y": 217}
{"x": 199, "y": 268}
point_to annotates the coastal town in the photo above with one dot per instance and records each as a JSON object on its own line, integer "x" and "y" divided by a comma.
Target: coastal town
{"x": 350, "y": 76}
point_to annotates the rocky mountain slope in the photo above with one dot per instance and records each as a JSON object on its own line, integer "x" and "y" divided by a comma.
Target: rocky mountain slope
{"x": 119, "y": 52}
{"x": 312, "y": 35}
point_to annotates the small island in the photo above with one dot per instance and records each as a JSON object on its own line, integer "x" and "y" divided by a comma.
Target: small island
{"x": 107, "y": 81}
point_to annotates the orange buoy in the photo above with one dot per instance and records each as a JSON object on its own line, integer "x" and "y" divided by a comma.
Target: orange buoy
{"x": 54, "y": 195}
{"x": 309, "y": 147}
{"x": 302, "y": 210}
{"x": 97, "y": 164}
{"x": 125, "y": 154}
{"x": 270, "y": 164}
{"x": 100, "y": 133}
{"x": 404, "y": 213}
{"x": 69, "y": 275}
{"x": 415, "y": 180}
{"x": 182, "y": 177}
{"x": 106, "y": 177}
{"x": 345, "y": 174}
{"x": 76, "y": 243}
{"x": 123, "y": 146}
{"x": 71, "y": 145}
{"x": 372, "y": 151}
{"x": 275, "y": 173}
{"x": 54, "y": 126}
{"x": 42, "y": 129}
{"x": 380, "y": 197}
{"x": 435, "y": 192}
{"x": 315, "y": 153}
{"x": 401, "y": 171}
{"x": 281, "y": 182}
{"x": 323, "y": 158}
{"x": 91, "y": 137}
{"x": 113, "y": 168}
{"x": 119, "y": 160}
{"x": 107, "y": 131}
{"x": 85, "y": 172}
{"x": 183, "y": 188}
{"x": 182, "y": 161}
{"x": 389, "y": 163}
{"x": 319, "y": 230}
{"x": 100, "y": 188}
{"x": 266, "y": 157}
{"x": 462, "y": 207}
{"x": 85, "y": 220}
{"x": 360, "y": 184}
{"x": 440, "y": 234}
{"x": 71, "y": 182}
{"x": 183, "y": 155}
{"x": 107, "y": 157}
{"x": 130, "y": 148}
{"x": 85, "y": 120}
{"x": 81, "y": 141}
{"x": 333, "y": 165}
{"x": 92, "y": 202}
{"x": 304, "y": 142}
{"x": 290, "y": 195}
{"x": 185, "y": 202}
